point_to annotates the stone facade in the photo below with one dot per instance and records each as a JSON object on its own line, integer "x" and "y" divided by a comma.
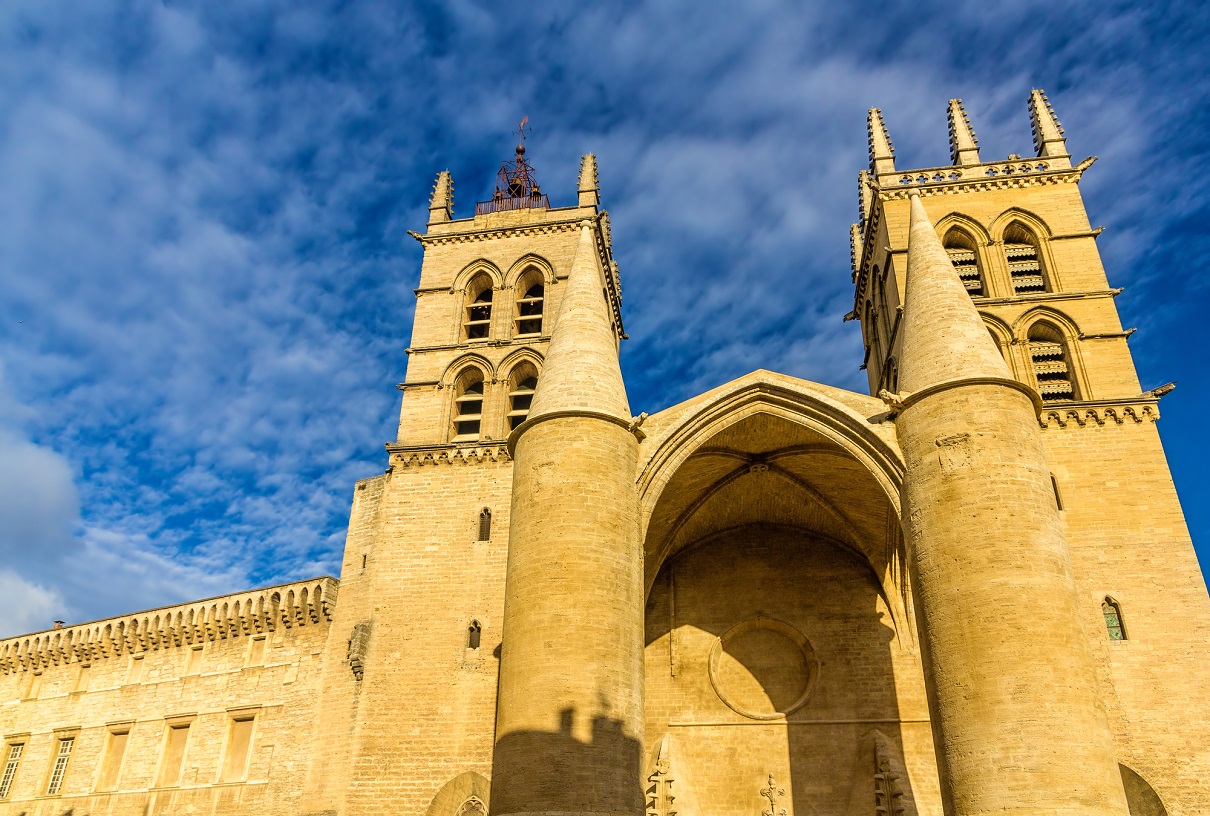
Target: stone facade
{"x": 970, "y": 593}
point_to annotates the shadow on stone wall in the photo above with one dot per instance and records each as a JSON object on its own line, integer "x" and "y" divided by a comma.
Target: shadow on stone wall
{"x": 539, "y": 771}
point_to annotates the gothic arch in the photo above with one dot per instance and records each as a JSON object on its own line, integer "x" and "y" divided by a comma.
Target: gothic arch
{"x": 454, "y": 797}
{"x": 1002, "y": 335}
{"x": 455, "y": 368}
{"x": 475, "y": 268}
{"x": 819, "y": 428}
{"x": 517, "y": 357}
{"x": 966, "y": 224}
{"x": 1029, "y": 220}
{"x": 524, "y": 263}
{"x": 1021, "y": 326}
{"x": 1068, "y": 335}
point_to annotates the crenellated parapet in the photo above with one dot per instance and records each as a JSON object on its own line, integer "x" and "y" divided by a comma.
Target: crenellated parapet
{"x": 284, "y": 606}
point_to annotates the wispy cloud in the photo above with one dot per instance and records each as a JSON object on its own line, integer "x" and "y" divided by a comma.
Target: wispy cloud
{"x": 206, "y": 279}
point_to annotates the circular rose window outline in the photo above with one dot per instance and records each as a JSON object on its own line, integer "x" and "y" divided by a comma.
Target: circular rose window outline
{"x": 775, "y": 625}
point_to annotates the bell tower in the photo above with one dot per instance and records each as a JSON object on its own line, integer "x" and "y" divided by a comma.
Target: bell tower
{"x": 410, "y": 674}
{"x": 1018, "y": 242}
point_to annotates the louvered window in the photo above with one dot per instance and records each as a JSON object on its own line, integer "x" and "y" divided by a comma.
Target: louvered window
{"x": 477, "y": 322}
{"x": 468, "y": 405}
{"x": 520, "y": 397}
{"x": 961, "y": 251}
{"x": 529, "y": 310}
{"x": 1024, "y": 261}
{"x": 1052, "y": 363}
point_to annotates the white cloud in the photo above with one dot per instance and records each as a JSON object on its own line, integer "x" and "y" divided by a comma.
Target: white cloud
{"x": 28, "y": 607}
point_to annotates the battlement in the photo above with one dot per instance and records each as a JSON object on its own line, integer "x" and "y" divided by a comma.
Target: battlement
{"x": 227, "y": 616}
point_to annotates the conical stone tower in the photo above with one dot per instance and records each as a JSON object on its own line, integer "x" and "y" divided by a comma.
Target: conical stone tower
{"x": 570, "y": 711}
{"x": 1016, "y": 711}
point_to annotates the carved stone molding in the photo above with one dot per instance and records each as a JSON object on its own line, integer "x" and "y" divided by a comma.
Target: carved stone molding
{"x": 1080, "y": 415}
{"x": 479, "y": 454}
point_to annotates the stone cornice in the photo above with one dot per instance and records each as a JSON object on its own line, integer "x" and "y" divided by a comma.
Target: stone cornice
{"x": 227, "y": 616}
{"x": 471, "y": 454}
{"x": 1099, "y": 413}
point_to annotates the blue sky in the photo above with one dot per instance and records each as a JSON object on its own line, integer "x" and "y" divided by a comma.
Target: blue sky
{"x": 205, "y": 279}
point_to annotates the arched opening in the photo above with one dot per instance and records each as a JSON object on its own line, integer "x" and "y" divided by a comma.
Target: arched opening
{"x": 522, "y": 383}
{"x": 477, "y": 319}
{"x": 473, "y": 634}
{"x": 779, "y": 594}
{"x": 1052, "y": 364}
{"x": 1114, "y": 624}
{"x": 532, "y": 293}
{"x": 468, "y": 405}
{"x": 963, "y": 254}
{"x": 485, "y": 524}
{"x": 1021, "y": 251}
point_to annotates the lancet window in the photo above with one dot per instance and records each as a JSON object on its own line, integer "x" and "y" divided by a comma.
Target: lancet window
{"x": 474, "y": 633}
{"x": 521, "y": 385}
{"x": 477, "y": 321}
{"x": 1113, "y": 619}
{"x": 468, "y": 405}
{"x": 528, "y": 319}
{"x": 960, "y": 248}
{"x": 1024, "y": 260}
{"x": 485, "y": 524}
{"x": 1052, "y": 363}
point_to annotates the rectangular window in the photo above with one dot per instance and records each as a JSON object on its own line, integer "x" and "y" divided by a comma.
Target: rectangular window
{"x": 115, "y": 751}
{"x": 35, "y": 686}
{"x": 239, "y": 741}
{"x": 193, "y": 664}
{"x": 135, "y": 672}
{"x": 59, "y": 769}
{"x": 10, "y": 768}
{"x": 82, "y": 677}
{"x": 174, "y": 756}
{"x": 256, "y": 651}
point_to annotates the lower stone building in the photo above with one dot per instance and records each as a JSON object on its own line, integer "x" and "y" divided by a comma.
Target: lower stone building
{"x": 970, "y": 593}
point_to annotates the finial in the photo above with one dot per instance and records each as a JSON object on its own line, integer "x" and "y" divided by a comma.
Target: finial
{"x": 441, "y": 202}
{"x": 964, "y": 144}
{"x": 882, "y": 152}
{"x": 1048, "y": 133}
{"x": 590, "y": 194}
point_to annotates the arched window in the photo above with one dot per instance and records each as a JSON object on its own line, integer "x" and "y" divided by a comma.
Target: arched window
{"x": 473, "y": 634}
{"x": 521, "y": 385}
{"x": 1052, "y": 363}
{"x": 1113, "y": 619}
{"x": 532, "y": 292}
{"x": 996, "y": 340}
{"x": 468, "y": 405}
{"x": 485, "y": 524}
{"x": 960, "y": 248}
{"x": 477, "y": 322}
{"x": 1024, "y": 260}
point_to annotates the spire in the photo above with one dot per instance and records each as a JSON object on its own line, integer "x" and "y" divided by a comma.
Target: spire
{"x": 964, "y": 144}
{"x": 590, "y": 194}
{"x": 441, "y": 202}
{"x": 1048, "y": 133}
{"x": 581, "y": 371}
{"x": 944, "y": 339}
{"x": 882, "y": 152}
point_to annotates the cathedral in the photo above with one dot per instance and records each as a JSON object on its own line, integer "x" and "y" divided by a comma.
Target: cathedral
{"x": 970, "y": 592}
